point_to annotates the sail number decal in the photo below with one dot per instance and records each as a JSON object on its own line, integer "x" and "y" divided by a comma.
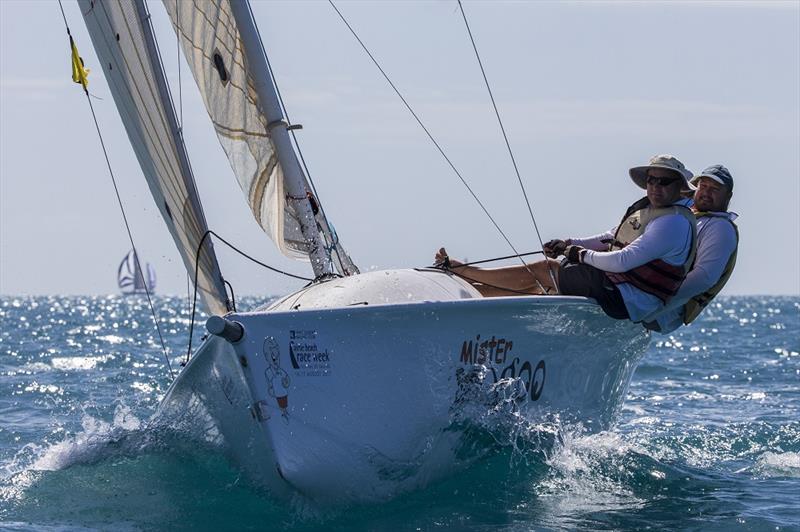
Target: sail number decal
{"x": 496, "y": 355}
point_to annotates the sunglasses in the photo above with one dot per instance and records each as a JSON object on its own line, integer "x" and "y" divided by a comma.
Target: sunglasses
{"x": 661, "y": 181}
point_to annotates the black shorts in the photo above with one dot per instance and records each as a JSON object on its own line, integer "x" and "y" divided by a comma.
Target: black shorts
{"x": 588, "y": 281}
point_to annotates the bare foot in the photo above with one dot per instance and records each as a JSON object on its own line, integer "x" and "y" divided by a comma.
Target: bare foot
{"x": 442, "y": 257}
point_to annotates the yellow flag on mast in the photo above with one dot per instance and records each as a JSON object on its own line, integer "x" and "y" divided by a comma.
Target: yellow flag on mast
{"x": 79, "y": 73}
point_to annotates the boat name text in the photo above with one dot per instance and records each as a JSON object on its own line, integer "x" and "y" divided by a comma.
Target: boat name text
{"x": 494, "y": 353}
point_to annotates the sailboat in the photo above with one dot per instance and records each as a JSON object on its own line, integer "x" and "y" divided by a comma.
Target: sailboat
{"x": 132, "y": 279}
{"x": 352, "y": 386}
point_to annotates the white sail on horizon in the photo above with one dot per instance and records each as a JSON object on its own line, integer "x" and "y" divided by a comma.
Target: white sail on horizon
{"x": 135, "y": 277}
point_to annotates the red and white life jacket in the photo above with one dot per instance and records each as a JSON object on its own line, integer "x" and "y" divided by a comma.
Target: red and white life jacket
{"x": 656, "y": 277}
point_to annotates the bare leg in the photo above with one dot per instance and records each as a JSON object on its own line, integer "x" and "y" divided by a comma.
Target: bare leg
{"x": 547, "y": 273}
{"x": 512, "y": 280}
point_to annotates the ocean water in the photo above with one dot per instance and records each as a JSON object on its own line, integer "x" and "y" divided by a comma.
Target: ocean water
{"x": 708, "y": 438}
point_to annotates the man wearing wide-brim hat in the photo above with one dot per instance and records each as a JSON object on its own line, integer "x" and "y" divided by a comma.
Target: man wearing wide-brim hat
{"x": 634, "y": 269}
{"x": 717, "y": 244}
{"x": 631, "y": 270}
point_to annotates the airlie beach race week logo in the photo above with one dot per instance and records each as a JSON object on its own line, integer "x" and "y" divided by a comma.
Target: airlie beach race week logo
{"x": 307, "y": 357}
{"x": 496, "y": 355}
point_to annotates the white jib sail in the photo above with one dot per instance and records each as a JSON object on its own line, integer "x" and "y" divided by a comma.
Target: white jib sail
{"x": 214, "y": 49}
{"x": 125, "y": 46}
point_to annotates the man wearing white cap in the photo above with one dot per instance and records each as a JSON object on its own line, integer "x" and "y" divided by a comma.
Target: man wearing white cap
{"x": 717, "y": 244}
{"x": 632, "y": 270}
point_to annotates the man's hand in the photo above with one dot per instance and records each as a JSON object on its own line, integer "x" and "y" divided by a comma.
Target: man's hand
{"x": 554, "y": 248}
{"x": 443, "y": 260}
{"x": 575, "y": 254}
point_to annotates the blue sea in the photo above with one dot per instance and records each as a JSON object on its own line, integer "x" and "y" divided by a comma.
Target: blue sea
{"x": 708, "y": 438}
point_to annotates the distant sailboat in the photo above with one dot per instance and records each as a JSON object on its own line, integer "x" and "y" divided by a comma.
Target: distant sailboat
{"x": 133, "y": 281}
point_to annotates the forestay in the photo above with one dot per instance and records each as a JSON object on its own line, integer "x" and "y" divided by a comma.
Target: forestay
{"x": 126, "y": 48}
{"x": 213, "y": 45}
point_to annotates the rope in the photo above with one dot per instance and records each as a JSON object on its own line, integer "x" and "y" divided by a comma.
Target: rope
{"x": 500, "y": 258}
{"x": 196, "y": 272}
{"x": 430, "y": 136}
{"x": 245, "y": 255}
{"x": 447, "y": 267}
{"x": 505, "y": 136}
{"x": 233, "y": 296}
{"x": 122, "y": 210}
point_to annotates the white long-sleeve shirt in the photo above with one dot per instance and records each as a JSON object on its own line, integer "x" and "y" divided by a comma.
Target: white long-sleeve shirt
{"x": 716, "y": 242}
{"x": 668, "y": 238}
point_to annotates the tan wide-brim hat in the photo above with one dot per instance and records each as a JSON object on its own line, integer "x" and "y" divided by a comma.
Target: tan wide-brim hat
{"x": 664, "y": 162}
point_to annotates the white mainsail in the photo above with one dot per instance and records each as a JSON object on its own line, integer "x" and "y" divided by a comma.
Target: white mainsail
{"x": 123, "y": 39}
{"x": 217, "y": 54}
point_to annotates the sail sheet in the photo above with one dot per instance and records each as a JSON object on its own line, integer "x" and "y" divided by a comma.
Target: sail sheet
{"x": 214, "y": 49}
{"x": 123, "y": 39}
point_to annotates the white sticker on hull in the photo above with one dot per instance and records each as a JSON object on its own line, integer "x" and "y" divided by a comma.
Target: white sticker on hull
{"x": 308, "y": 358}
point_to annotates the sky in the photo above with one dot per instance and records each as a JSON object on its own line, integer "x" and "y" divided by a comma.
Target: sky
{"x": 586, "y": 90}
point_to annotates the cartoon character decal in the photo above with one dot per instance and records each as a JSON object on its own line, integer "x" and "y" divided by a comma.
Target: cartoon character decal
{"x": 277, "y": 379}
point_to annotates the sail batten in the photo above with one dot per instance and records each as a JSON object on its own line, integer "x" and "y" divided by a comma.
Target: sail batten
{"x": 122, "y": 37}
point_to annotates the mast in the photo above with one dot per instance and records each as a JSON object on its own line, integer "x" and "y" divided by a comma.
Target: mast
{"x": 294, "y": 179}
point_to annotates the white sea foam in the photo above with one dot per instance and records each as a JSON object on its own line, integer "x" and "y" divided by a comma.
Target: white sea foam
{"x": 89, "y": 445}
{"x": 588, "y": 473}
{"x": 86, "y": 446}
{"x": 33, "y": 368}
{"x": 78, "y": 363}
{"x": 96, "y": 441}
{"x": 778, "y": 465}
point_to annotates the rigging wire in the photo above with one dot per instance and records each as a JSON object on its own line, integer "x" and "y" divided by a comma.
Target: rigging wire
{"x": 188, "y": 291}
{"x": 122, "y": 208}
{"x": 334, "y": 236}
{"x": 505, "y": 136}
{"x": 484, "y": 261}
{"x": 447, "y": 267}
{"x": 430, "y": 136}
{"x": 245, "y": 255}
{"x": 196, "y": 273}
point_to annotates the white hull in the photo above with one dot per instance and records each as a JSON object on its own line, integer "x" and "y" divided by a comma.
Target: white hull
{"x": 355, "y": 401}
